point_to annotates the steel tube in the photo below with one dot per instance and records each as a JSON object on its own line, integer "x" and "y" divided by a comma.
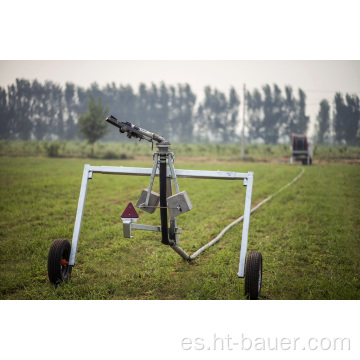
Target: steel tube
{"x": 246, "y": 224}
{"x": 200, "y": 174}
{"x": 163, "y": 203}
{"x": 79, "y": 215}
{"x": 152, "y": 176}
{"x": 145, "y": 227}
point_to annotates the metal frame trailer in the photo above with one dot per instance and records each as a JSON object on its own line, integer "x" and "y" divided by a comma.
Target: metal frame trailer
{"x": 62, "y": 255}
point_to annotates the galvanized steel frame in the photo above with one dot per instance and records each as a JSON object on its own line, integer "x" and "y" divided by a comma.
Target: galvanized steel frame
{"x": 171, "y": 174}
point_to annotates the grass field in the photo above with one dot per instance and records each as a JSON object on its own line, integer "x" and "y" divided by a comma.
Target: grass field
{"x": 308, "y": 234}
{"x": 128, "y": 149}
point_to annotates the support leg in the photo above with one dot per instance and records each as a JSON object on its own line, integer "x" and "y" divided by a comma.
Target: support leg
{"x": 79, "y": 214}
{"x": 163, "y": 203}
{"x": 152, "y": 179}
{"x": 172, "y": 172}
{"x": 246, "y": 224}
{"x": 173, "y": 235}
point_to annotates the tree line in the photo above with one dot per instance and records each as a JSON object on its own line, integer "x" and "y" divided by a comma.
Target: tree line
{"x": 273, "y": 116}
{"x": 344, "y": 124}
{"x": 46, "y": 111}
{"x": 32, "y": 110}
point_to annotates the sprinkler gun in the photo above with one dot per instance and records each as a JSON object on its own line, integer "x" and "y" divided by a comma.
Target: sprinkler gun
{"x": 134, "y": 130}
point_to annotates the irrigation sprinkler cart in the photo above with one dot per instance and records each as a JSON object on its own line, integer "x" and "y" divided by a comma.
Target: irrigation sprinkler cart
{"x": 62, "y": 255}
{"x": 301, "y": 149}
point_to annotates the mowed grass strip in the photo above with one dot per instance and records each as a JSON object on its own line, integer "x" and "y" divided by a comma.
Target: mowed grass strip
{"x": 308, "y": 234}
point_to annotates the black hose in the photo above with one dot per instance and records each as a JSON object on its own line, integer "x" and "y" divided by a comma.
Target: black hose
{"x": 163, "y": 202}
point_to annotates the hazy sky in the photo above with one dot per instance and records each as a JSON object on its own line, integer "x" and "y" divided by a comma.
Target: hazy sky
{"x": 166, "y": 34}
{"x": 324, "y": 76}
{"x": 319, "y": 79}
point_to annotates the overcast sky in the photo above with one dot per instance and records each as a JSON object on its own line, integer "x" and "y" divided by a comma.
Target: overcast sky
{"x": 221, "y": 39}
{"x": 325, "y": 76}
{"x": 319, "y": 79}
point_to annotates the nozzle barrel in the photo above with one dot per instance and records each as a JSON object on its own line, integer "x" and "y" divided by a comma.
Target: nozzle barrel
{"x": 134, "y": 130}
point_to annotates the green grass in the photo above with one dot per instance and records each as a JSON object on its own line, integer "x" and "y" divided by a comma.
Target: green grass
{"x": 308, "y": 234}
{"x": 129, "y": 149}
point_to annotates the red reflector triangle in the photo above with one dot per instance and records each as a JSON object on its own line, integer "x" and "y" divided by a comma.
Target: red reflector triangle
{"x": 130, "y": 212}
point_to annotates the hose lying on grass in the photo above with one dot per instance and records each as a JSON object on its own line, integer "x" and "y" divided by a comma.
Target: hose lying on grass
{"x": 185, "y": 256}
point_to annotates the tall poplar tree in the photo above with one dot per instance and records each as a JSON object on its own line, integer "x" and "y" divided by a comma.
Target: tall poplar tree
{"x": 254, "y": 109}
{"x": 322, "y": 126}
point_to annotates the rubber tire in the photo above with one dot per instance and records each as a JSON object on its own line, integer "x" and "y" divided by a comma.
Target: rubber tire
{"x": 60, "y": 249}
{"x": 253, "y": 275}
